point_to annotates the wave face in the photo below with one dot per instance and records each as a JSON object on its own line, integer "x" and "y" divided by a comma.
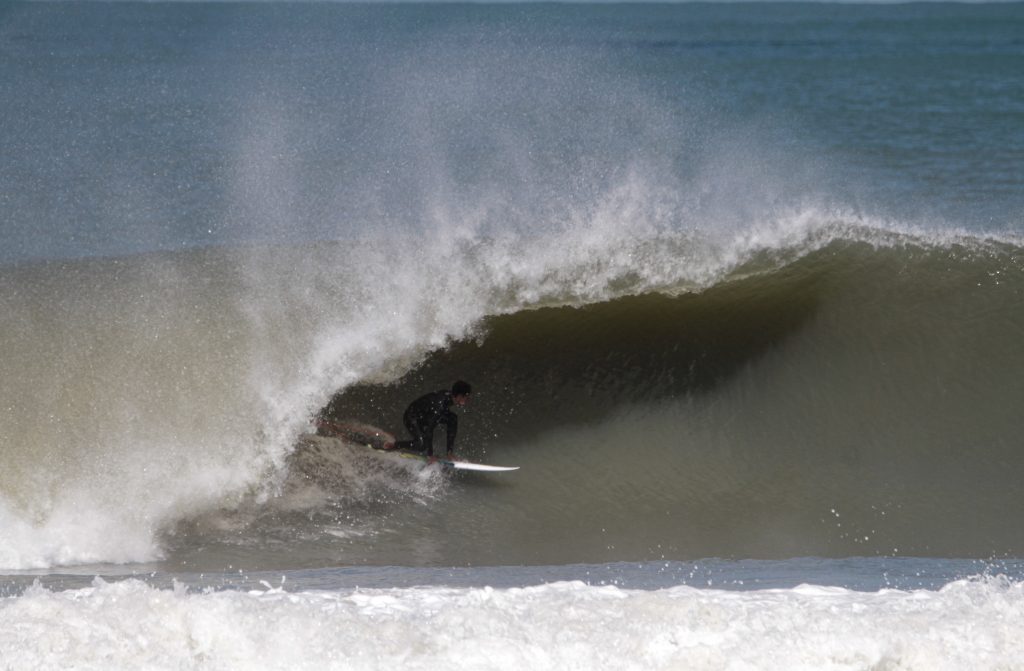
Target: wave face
{"x": 706, "y": 307}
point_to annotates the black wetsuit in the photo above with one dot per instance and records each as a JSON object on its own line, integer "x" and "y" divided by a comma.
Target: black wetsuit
{"x": 422, "y": 417}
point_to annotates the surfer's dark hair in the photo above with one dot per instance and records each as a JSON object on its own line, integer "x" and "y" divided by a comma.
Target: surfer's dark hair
{"x": 461, "y": 388}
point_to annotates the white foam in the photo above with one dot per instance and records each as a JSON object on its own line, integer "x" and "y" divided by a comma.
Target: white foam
{"x": 970, "y": 624}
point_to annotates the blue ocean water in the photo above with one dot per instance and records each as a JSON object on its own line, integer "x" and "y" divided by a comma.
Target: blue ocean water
{"x": 220, "y": 123}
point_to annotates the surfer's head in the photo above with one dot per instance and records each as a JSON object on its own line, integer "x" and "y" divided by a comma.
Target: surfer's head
{"x": 460, "y": 392}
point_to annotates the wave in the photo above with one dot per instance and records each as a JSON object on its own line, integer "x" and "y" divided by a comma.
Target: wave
{"x": 143, "y": 391}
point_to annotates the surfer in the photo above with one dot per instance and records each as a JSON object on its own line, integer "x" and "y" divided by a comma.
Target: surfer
{"x": 425, "y": 413}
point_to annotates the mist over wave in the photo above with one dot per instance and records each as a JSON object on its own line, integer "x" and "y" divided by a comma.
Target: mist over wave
{"x": 257, "y": 213}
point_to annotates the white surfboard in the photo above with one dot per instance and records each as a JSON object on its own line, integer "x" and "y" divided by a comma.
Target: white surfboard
{"x": 457, "y": 465}
{"x": 374, "y": 438}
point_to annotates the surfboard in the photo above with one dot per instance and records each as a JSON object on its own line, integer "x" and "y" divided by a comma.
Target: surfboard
{"x": 457, "y": 465}
{"x": 373, "y": 438}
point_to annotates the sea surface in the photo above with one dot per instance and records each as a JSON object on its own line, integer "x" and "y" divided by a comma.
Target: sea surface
{"x": 739, "y": 287}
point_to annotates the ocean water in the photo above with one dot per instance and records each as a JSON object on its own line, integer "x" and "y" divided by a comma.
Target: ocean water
{"x": 740, "y": 288}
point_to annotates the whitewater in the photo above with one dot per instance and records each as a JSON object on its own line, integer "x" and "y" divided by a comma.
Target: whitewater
{"x": 738, "y": 288}
{"x": 566, "y": 625}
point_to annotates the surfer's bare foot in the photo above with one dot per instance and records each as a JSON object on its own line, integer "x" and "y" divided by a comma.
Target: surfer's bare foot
{"x": 389, "y": 446}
